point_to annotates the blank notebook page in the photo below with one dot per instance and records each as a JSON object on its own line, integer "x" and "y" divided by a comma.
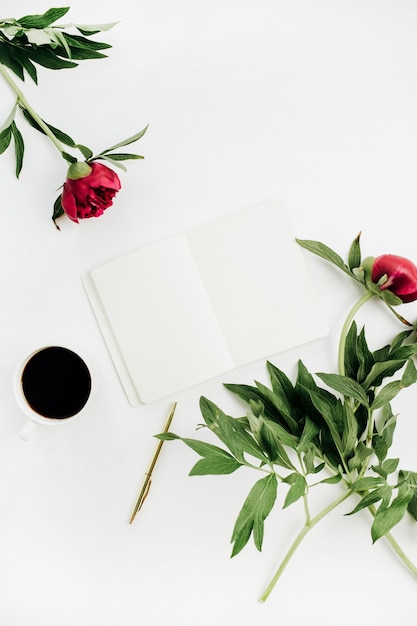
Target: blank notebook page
{"x": 198, "y": 304}
{"x": 258, "y": 284}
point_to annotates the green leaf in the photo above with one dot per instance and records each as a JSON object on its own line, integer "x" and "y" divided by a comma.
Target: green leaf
{"x": 215, "y": 460}
{"x": 281, "y": 406}
{"x": 276, "y": 408}
{"x": 75, "y": 42}
{"x": 304, "y": 385}
{"x": 405, "y": 352}
{"x": 68, "y": 157}
{"x": 38, "y": 37}
{"x": 323, "y": 251}
{"x": 80, "y": 54}
{"x": 85, "y": 151}
{"x": 21, "y": 57}
{"x": 309, "y": 457}
{"x": 19, "y": 148}
{"x": 409, "y": 376}
{"x": 59, "y": 134}
{"x": 41, "y": 21}
{"x": 346, "y": 386}
{"x": 92, "y": 29}
{"x": 281, "y": 385}
{"x": 362, "y": 453}
{"x": 389, "y": 298}
{"x": 109, "y": 160}
{"x": 7, "y": 59}
{"x": 332, "y": 480}
{"x": 354, "y": 257}
{"x": 8, "y": 121}
{"x": 382, "y": 354}
{"x": 310, "y": 431}
{"x": 381, "y": 370}
{"x": 245, "y": 392}
{"x": 387, "y": 517}
{"x": 386, "y": 420}
{"x": 124, "y": 156}
{"x": 230, "y": 431}
{"x": 367, "y": 483}
{"x": 215, "y": 464}
{"x": 201, "y": 447}
{"x": 297, "y": 490}
{"x": 125, "y": 142}
{"x": 304, "y": 378}
{"x": 378, "y": 469}
{"x": 382, "y": 439}
{"x": 269, "y": 440}
{"x": 255, "y": 510}
{"x": 59, "y": 38}
{"x": 45, "y": 57}
{"x": 271, "y": 435}
{"x": 386, "y": 394}
{"x": 350, "y": 431}
{"x": 10, "y": 30}
{"x": 381, "y": 493}
{"x": 365, "y": 356}
{"x": 390, "y": 465}
{"x": 398, "y": 340}
{"x": 58, "y": 211}
{"x": 204, "y": 449}
{"x": 351, "y": 357}
{"x": 411, "y": 479}
{"x": 5, "y": 138}
{"x": 326, "y": 407}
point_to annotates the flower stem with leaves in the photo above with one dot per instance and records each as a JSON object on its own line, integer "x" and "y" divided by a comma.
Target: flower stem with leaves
{"x": 303, "y": 434}
{"x": 36, "y": 40}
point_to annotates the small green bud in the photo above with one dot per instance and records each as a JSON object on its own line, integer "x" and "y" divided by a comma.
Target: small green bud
{"x": 79, "y": 169}
{"x": 367, "y": 265}
{"x": 359, "y": 273}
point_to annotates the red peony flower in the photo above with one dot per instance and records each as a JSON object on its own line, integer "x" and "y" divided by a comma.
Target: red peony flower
{"x": 401, "y": 276}
{"x": 88, "y": 190}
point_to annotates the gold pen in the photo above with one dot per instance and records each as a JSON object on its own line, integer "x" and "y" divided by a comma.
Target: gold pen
{"x": 148, "y": 475}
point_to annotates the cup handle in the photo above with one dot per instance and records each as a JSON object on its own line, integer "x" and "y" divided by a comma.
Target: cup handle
{"x": 28, "y": 430}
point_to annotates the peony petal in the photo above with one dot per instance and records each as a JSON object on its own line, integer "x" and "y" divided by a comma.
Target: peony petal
{"x": 68, "y": 203}
{"x": 90, "y": 195}
{"x": 102, "y": 176}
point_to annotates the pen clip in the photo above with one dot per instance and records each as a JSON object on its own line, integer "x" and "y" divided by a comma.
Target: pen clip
{"x": 145, "y": 493}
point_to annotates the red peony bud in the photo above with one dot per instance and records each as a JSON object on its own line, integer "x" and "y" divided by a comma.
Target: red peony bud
{"x": 401, "y": 276}
{"x": 88, "y": 190}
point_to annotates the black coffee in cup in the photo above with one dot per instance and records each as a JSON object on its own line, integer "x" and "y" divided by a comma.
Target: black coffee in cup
{"x": 56, "y": 382}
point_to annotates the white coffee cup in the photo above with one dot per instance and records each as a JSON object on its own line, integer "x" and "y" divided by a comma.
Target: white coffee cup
{"x": 53, "y": 385}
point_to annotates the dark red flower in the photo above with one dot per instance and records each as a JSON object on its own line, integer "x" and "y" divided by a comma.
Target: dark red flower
{"x": 88, "y": 190}
{"x": 401, "y": 276}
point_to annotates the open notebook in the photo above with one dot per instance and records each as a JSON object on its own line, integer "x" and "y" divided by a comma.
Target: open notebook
{"x": 198, "y": 304}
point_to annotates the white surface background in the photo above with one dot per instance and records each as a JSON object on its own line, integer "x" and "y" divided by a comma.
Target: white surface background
{"x": 314, "y": 103}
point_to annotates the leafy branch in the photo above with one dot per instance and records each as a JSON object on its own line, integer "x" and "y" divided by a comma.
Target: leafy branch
{"x": 36, "y": 40}
{"x": 323, "y": 428}
{"x": 33, "y": 40}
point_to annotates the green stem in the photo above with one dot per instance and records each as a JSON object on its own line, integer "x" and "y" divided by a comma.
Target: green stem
{"x": 397, "y": 549}
{"x": 345, "y": 329}
{"x": 398, "y": 316}
{"x": 306, "y": 510}
{"x": 368, "y": 443}
{"x": 25, "y": 104}
{"x": 303, "y": 532}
